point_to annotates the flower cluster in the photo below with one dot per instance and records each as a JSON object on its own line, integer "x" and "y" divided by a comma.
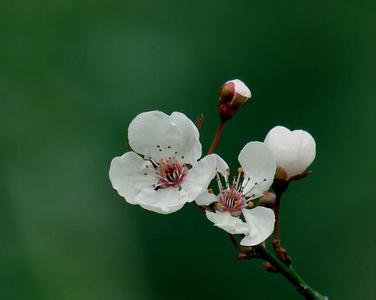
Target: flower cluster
{"x": 165, "y": 169}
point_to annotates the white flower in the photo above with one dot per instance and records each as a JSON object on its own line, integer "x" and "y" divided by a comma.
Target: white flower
{"x": 293, "y": 150}
{"x": 161, "y": 174}
{"x": 234, "y": 199}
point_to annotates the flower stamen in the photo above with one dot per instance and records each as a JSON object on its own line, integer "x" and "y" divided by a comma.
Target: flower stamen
{"x": 170, "y": 173}
{"x": 231, "y": 200}
{"x": 231, "y": 197}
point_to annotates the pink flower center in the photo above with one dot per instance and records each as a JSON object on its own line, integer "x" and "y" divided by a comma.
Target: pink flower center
{"x": 170, "y": 173}
{"x": 231, "y": 200}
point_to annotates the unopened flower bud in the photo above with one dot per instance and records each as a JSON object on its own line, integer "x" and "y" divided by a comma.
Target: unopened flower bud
{"x": 294, "y": 151}
{"x": 232, "y": 96}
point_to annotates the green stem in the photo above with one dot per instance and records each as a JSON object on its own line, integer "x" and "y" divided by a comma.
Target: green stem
{"x": 290, "y": 274}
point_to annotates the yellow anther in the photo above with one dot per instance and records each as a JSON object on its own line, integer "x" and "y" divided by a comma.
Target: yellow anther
{"x": 218, "y": 206}
{"x": 250, "y": 204}
{"x": 234, "y": 181}
{"x": 240, "y": 170}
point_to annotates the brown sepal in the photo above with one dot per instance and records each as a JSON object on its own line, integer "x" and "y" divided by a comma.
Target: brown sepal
{"x": 281, "y": 252}
{"x": 269, "y": 267}
{"x": 300, "y": 176}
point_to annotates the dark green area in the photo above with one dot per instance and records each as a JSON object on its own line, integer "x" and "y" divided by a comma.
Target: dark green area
{"x": 73, "y": 74}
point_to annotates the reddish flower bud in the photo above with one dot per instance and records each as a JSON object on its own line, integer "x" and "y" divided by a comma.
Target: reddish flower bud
{"x": 232, "y": 96}
{"x": 268, "y": 200}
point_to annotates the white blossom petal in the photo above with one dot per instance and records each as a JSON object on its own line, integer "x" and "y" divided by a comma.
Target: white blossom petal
{"x": 259, "y": 165}
{"x": 190, "y": 146}
{"x": 159, "y": 136}
{"x": 206, "y": 198}
{"x": 293, "y": 150}
{"x": 261, "y": 221}
{"x": 127, "y": 175}
{"x": 199, "y": 177}
{"x": 227, "y": 222}
{"x": 222, "y": 167}
{"x": 163, "y": 201}
{"x": 241, "y": 88}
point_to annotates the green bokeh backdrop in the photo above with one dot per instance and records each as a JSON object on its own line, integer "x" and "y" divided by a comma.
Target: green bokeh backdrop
{"x": 73, "y": 74}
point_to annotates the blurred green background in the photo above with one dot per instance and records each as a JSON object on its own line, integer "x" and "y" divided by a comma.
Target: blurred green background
{"x": 73, "y": 74}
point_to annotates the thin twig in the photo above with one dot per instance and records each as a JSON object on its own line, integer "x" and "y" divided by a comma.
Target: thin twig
{"x": 290, "y": 274}
{"x": 216, "y": 138}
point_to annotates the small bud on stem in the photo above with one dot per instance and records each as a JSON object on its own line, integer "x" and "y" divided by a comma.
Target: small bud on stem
{"x": 232, "y": 96}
